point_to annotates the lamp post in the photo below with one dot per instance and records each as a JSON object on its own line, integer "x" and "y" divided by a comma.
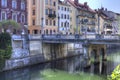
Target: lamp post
{"x": 85, "y": 20}
{"x": 58, "y": 30}
{"x": 23, "y": 39}
{"x": 42, "y": 26}
{"x": 77, "y": 24}
{"x": 98, "y": 23}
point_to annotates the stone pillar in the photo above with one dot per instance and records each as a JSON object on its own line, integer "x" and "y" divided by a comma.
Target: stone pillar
{"x": 104, "y": 54}
{"x": 87, "y": 53}
{"x": 97, "y": 54}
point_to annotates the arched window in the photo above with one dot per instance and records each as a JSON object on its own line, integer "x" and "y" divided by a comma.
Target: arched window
{"x": 14, "y": 4}
{"x": 50, "y": 31}
{"x": 14, "y": 17}
{"x": 23, "y": 5}
{"x": 46, "y": 31}
{"x": 3, "y": 15}
{"x": 22, "y": 18}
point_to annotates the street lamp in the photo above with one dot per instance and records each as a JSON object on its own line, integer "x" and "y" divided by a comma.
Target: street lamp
{"x": 42, "y": 26}
{"x": 85, "y": 20}
{"x": 98, "y": 23}
{"x": 58, "y": 25}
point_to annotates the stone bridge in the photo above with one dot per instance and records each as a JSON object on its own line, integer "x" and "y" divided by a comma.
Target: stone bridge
{"x": 59, "y": 46}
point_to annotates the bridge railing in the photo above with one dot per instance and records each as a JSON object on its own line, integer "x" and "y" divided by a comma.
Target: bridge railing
{"x": 35, "y": 36}
{"x": 16, "y": 37}
{"x": 76, "y": 36}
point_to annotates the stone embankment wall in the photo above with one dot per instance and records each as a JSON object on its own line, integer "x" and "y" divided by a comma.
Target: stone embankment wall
{"x": 26, "y": 53}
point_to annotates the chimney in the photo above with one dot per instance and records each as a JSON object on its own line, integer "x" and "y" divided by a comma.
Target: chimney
{"x": 85, "y": 3}
{"x": 102, "y": 8}
{"x": 75, "y": 1}
{"x": 105, "y": 9}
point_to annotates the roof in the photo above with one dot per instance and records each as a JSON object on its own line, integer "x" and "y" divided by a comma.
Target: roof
{"x": 105, "y": 14}
{"x": 80, "y": 6}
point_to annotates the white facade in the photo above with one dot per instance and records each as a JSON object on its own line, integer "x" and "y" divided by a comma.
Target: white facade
{"x": 64, "y": 18}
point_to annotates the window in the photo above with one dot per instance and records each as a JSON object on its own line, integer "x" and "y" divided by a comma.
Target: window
{"x": 46, "y": 1}
{"x": 68, "y": 16}
{"x": 33, "y": 22}
{"x": 54, "y": 3}
{"x": 62, "y": 24}
{"x": 22, "y": 18}
{"x": 50, "y": 22}
{"x": 50, "y": 2}
{"x": 33, "y": 12}
{"x": 3, "y": 16}
{"x": 46, "y": 11}
{"x": 35, "y": 31}
{"x": 23, "y": 5}
{"x": 54, "y": 23}
{"x": 65, "y": 8}
{"x": 62, "y": 8}
{"x": 14, "y": 4}
{"x": 58, "y": 7}
{"x": 50, "y": 11}
{"x": 46, "y": 31}
{"x": 46, "y": 21}
{"x": 62, "y": 16}
{"x": 33, "y": 2}
{"x": 4, "y": 3}
{"x": 14, "y": 17}
{"x": 54, "y": 12}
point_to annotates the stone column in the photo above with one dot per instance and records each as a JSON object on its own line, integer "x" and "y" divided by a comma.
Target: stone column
{"x": 86, "y": 52}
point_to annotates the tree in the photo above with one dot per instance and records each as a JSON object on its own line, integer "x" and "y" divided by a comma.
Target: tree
{"x": 9, "y": 25}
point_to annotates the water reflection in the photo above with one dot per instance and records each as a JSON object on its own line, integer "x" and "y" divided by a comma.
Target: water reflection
{"x": 71, "y": 65}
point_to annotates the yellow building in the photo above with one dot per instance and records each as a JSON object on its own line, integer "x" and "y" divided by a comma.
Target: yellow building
{"x": 83, "y": 18}
{"x": 104, "y": 22}
{"x": 42, "y": 16}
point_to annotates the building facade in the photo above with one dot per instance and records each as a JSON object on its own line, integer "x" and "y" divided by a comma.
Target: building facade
{"x": 14, "y": 10}
{"x": 42, "y": 16}
{"x": 64, "y": 17}
{"x": 109, "y": 22}
{"x": 83, "y": 18}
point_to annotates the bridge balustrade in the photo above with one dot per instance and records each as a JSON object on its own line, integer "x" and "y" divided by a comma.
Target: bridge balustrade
{"x": 67, "y": 37}
{"x": 17, "y": 37}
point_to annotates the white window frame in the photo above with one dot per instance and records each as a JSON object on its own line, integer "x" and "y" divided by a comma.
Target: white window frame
{"x": 14, "y": 14}
{"x": 5, "y": 17}
{"x": 22, "y": 20}
{"x": 14, "y": 4}
{"x": 23, "y": 5}
{"x": 4, "y": 3}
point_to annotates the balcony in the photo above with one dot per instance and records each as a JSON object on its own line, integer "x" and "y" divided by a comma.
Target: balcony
{"x": 52, "y": 16}
{"x": 109, "y": 27}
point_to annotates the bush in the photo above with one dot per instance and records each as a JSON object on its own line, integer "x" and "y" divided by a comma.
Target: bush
{"x": 115, "y": 74}
{"x": 5, "y": 46}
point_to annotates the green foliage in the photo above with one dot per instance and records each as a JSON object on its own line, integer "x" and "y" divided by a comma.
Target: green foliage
{"x": 9, "y": 24}
{"x": 5, "y": 40}
{"x": 5, "y": 46}
{"x": 115, "y": 74}
{"x": 62, "y": 75}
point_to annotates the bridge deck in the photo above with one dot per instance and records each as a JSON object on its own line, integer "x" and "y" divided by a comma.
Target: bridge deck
{"x": 93, "y": 39}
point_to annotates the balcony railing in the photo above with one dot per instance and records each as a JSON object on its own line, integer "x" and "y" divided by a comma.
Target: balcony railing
{"x": 52, "y": 15}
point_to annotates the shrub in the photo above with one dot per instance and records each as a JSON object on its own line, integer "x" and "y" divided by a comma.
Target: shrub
{"x": 115, "y": 74}
{"x": 5, "y": 46}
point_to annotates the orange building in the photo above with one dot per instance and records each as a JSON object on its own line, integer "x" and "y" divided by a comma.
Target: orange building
{"x": 42, "y": 16}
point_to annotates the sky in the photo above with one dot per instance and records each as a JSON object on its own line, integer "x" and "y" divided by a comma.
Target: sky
{"x": 112, "y": 5}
